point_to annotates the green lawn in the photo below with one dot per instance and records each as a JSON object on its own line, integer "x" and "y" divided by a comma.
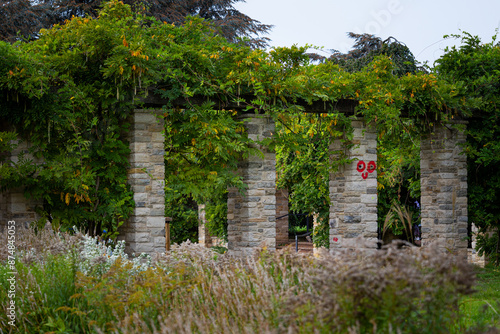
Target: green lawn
{"x": 482, "y": 308}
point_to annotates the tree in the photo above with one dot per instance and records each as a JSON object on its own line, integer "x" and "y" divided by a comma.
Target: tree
{"x": 366, "y": 47}
{"x": 28, "y": 17}
{"x": 475, "y": 67}
{"x": 22, "y": 18}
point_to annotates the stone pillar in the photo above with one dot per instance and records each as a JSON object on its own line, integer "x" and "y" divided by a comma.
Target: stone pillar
{"x": 19, "y": 208}
{"x": 353, "y": 191}
{"x": 14, "y": 205}
{"x": 251, "y": 216}
{"x": 443, "y": 183}
{"x": 144, "y": 232}
{"x": 204, "y": 238}
{"x": 281, "y": 218}
{"x": 316, "y": 224}
{"x": 473, "y": 256}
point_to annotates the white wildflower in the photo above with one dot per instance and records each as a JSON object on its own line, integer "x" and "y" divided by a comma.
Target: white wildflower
{"x": 97, "y": 257}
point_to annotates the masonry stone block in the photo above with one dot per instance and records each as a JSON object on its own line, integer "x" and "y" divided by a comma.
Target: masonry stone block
{"x": 368, "y": 198}
{"x": 142, "y": 237}
{"x": 155, "y": 221}
{"x": 143, "y": 247}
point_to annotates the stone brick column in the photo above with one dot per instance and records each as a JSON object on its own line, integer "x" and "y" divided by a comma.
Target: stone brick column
{"x": 19, "y": 208}
{"x": 251, "y": 216}
{"x": 472, "y": 255}
{"x": 145, "y": 229}
{"x": 14, "y": 205}
{"x": 316, "y": 224}
{"x": 204, "y": 238}
{"x": 353, "y": 191}
{"x": 281, "y": 210}
{"x": 443, "y": 182}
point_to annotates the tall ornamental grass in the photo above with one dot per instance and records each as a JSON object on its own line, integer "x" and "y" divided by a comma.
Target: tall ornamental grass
{"x": 78, "y": 284}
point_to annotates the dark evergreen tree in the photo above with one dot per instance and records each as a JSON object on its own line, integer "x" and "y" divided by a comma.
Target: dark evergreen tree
{"x": 366, "y": 47}
{"x": 24, "y": 18}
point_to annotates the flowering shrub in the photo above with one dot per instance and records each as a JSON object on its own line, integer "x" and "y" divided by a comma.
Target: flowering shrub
{"x": 97, "y": 257}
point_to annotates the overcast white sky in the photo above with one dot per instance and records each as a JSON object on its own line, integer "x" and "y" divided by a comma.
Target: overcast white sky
{"x": 420, "y": 24}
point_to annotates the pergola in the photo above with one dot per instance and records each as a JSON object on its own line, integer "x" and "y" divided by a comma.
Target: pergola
{"x": 353, "y": 188}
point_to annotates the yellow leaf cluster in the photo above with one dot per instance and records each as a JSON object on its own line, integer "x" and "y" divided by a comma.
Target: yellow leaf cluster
{"x": 66, "y": 198}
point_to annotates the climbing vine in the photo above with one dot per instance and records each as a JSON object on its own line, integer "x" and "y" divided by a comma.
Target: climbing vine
{"x": 474, "y": 68}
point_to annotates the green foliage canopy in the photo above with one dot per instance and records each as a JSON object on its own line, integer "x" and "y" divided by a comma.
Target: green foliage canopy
{"x": 474, "y": 67}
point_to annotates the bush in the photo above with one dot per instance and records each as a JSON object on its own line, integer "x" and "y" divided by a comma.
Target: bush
{"x": 184, "y": 213}
{"x": 50, "y": 266}
{"x": 404, "y": 291}
{"x": 46, "y": 266}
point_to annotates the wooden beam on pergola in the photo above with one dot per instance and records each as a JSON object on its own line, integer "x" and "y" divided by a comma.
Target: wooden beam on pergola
{"x": 345, "y": 106}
